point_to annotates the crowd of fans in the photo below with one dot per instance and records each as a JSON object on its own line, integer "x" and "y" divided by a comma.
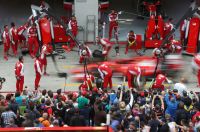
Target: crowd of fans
{"x": 125, "y": 110}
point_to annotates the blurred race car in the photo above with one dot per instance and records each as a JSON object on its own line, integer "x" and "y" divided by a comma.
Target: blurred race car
{"x": 171, "y": 65}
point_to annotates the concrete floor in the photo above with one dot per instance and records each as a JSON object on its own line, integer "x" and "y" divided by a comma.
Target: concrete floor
{"x": 52, "y": 82}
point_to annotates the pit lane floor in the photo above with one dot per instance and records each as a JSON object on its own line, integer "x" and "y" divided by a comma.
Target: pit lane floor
{"x": 10, "y": 11}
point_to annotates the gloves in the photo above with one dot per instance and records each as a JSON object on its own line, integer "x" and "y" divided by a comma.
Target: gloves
{"x": 170, "y": 81}
{"x": 120, "y": 12}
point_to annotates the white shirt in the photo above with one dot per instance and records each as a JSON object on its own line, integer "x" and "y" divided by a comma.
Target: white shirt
{"x": 180, "y": 87}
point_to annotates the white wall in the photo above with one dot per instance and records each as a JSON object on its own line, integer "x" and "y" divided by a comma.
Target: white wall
{"x": 83, "y": 8}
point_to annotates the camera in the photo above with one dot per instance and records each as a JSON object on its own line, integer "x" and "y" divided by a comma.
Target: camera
{"x": 2, "y": 80}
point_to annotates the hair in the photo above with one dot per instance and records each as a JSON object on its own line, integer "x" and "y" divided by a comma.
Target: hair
{"x": 43, "y": 100}
{"x": 44, "y": 92}
{"x": 12, "y": 24}
{"x": 5, "y": 26}
{"x": 48, "y": 102}
{"x": 50, "y": 94}
{"x": 59, "y": 91}
{"x": 20, "y": 58}
{"x": 17, "y": 94}
{"x": 170, "y": 19}
{"x": 181, "y": 105}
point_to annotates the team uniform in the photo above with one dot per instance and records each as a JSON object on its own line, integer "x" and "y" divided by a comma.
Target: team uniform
{"x": 33, "y": 41}
{"x": 151, "y": 28}
{"x": 38, "y": 72}
{"x": 85, "y": 53}
{"x": 43, "y": 58}
{"x": 113, "y": 18}
{"x": 158, "y": 84}
{"x": 19, "y": 73}
{"x": 132, "y": 72}
{"x": 167, "y": 29}
{"x": 107, "y": 45}
{"x": 131, "y": 38}
{"x": 6, "y": 43}
{"x": 73, "y": 27}
{"x": 88, "y": 83}
{"x": 106, "y": 75}
{"x": 20, "y": 32}
{"x": 160, "y": 28}
{"x": 14, "y": 39}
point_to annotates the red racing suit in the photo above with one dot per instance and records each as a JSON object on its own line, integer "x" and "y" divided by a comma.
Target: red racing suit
{"x": 131, "y": 38}
{"x": 38, "y": 72}
{"x": 14, "y": 39}
{"x": 107, "y": 45}
{"x": 20, "y": 32}
{"x": 73, "y": 27}
{"x": 85, "y": 53}
{"x": 167, "y": 29}
{"x": 33, "y": 41}
{"x": 88, "y": 83}
{"x": 132, "y": 72}
{"x": 151, "y": 28}
{"x": 160, "y": 28}
{"x": 158, "y": 84}
{"x": 19, "y": 74}
{"x": 106, "y": 75}
{"x": 113, "y": 18}
{"x": 43, "y": 58}
{"x": 6, "y": 42}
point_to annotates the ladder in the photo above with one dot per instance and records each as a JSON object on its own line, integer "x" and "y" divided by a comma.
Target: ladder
{"x": 90, "y": 27}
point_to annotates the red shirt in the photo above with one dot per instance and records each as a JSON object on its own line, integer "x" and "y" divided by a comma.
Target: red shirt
{"x": 160, "y": 79}
{"x": 131, "y": 37}
{"x": 21, "y": 29}
{"x": 134, "y": 70}
{"x": 194, "y": 116}
{"x": 13, "y": 34}
{"x": 73, "y": 25}
{"x": 32, "y": 32}
{"x": 113, "y": 17}
{"x": 6, "y": 37}
{"x": 19, "y": 69}
{"x": 104, "y": 70}
{"x": 38, "y": 66}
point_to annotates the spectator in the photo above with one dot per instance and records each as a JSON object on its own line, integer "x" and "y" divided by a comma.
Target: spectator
{"x": 55, "y": 124}
{"x": 18, "y": 98}
{"x": 82, "y": 100}
{"x": 69, "y": 113}
{"x": 131, "y": 127}
{"x": 181, "y": 114}
{"x": 6, "y": 116}
{"x": 44, "y": 120}
{"x": 28, "y": 123}
{"x": 77, "y": 119}
{"x": 11, "y": 123}
{"x": 171, "y": 105}
{"x": 154, "y": 123}
{"x": 180, "y": 86}
{"x": 100, "y": 116}
{"x": 2, "y": 106}
{"x": 37, "y": 123}
{"x": 13, "y": 105}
